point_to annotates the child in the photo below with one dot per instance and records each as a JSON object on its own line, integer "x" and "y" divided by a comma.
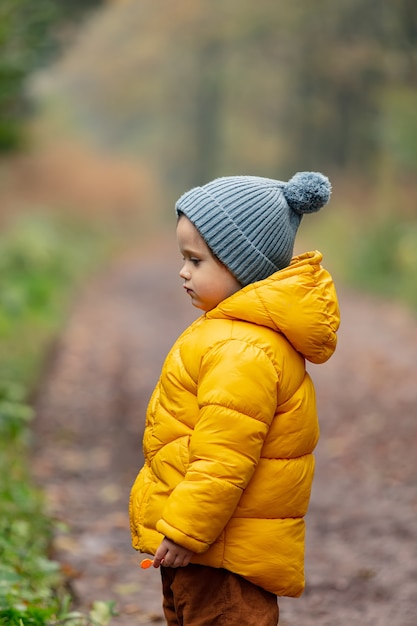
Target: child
{"x": 232, "y": 425}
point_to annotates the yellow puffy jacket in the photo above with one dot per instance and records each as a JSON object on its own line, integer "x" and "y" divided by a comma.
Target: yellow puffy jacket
{"x": 231, "y": 427}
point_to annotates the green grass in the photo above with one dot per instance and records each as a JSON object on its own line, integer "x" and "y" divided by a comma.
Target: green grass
{"x": 42, "y": 260}
{"x": 373, "y": 252}
{"x": 385, "y": 260}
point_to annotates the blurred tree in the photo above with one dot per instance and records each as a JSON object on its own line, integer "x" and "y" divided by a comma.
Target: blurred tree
{"x": 208, "y": 97}
{"x": 343, "y": 68}
{"x": 30, "y": 33}
{"x": 337, "y": 71}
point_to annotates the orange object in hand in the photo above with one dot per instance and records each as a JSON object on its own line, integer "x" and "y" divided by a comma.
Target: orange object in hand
{"x": 145, "y": 563}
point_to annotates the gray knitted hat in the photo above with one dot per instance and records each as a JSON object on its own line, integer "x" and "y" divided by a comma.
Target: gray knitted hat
{"x": 250, "y": 223}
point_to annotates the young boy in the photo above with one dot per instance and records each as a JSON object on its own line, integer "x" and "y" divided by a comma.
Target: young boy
{"x": 232, "y": 425}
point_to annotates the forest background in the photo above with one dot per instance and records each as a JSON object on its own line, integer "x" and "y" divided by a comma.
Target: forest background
{"x": 110, "y": 110}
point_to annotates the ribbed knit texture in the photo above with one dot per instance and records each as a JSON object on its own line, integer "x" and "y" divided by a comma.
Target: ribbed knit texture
{"x": 247, "y": 221}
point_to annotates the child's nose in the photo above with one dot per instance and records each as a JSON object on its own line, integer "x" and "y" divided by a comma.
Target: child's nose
{"x": 184, "y": 274}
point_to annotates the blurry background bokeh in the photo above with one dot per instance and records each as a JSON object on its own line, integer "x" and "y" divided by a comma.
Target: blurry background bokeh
{"x": 109, "y": 110}
{"x": 117, "y": 107}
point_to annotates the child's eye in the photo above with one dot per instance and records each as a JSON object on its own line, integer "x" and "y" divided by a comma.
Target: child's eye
{"x": 195, "y": 261}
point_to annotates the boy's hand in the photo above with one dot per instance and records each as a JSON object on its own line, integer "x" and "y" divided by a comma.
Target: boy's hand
{"x": 170, "y": 554}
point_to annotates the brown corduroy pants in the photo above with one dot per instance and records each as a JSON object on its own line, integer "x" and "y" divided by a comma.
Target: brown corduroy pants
{"x": 197, "y": 595}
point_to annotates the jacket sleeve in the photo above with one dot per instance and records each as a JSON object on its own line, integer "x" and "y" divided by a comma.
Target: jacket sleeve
{"x": 237, "y": 398}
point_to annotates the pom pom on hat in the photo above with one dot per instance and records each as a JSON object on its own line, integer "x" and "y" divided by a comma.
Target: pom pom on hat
{"x": 307, "y": 192}
{"x": 249, "y": 222}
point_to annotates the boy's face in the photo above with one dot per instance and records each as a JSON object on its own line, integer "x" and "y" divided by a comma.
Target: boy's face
{"x": 206, "y": 280}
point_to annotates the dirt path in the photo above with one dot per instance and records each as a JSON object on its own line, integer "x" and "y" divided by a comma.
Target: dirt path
{"x": 361, "y": 557}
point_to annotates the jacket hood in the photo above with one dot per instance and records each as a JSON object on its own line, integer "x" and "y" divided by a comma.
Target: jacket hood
{"x": 298, "y": 301}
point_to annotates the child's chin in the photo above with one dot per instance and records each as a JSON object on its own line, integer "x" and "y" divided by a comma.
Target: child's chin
{"x": 200, "y": 305}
